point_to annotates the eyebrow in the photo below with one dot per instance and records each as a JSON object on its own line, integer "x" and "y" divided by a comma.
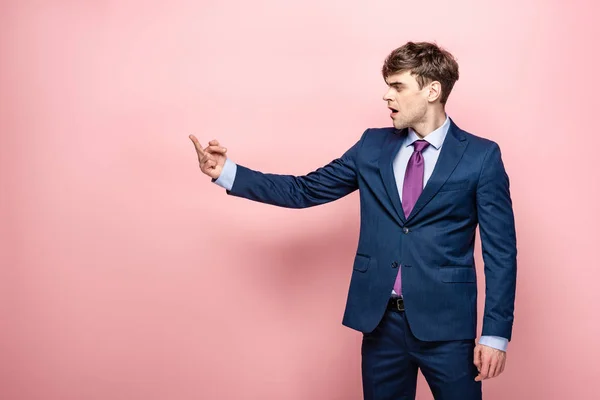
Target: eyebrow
{"x": 395, "y": 83}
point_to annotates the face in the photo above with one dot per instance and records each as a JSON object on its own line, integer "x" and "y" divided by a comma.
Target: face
{"x": 407, "y": 102}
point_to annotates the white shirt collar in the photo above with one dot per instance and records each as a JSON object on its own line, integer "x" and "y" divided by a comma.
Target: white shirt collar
{"x": 435, "y": 138}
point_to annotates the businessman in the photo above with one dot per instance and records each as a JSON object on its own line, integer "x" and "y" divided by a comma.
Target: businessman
{"x": 424, "y": 187}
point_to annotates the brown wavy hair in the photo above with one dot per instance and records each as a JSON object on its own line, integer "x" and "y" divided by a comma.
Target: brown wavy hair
{"x": 427, "y": 62}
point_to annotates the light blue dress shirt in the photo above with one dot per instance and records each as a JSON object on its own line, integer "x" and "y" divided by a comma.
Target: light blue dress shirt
{"x": 430, "y": 156}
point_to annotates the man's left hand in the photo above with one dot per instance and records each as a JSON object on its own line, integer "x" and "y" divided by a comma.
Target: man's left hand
{"x": 490, "y": 362}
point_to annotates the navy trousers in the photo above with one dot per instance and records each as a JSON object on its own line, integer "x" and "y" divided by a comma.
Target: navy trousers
{"x": 391, "y": 357}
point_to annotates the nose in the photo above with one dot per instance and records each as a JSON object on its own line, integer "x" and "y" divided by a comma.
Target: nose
{"x": 387, "y": 95}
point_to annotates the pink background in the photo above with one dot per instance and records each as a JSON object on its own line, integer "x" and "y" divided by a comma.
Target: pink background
{"x": 127, "y": 275}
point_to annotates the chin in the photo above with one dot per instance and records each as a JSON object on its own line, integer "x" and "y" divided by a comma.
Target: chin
{"x": 399, "y": 125}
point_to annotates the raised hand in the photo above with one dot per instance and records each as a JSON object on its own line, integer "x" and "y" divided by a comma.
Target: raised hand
{"x": 212, "y": 158}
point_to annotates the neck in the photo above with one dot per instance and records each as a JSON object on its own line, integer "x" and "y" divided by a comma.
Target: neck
{"x": 429, "y": 124}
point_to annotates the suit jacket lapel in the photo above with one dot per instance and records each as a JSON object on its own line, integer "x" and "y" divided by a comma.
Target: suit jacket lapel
{"x": 386, "y": 169}
{"x": 450, "y": 154}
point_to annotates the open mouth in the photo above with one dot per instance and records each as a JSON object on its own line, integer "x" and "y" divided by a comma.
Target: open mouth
{"x": 393, "y": 110}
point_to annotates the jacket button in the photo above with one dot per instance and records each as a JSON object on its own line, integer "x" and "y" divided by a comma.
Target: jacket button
{"x": 395, "y": 264}
{"x": 405, "y": 229}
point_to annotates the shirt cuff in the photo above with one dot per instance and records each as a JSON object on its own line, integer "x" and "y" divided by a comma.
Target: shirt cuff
{"x": 227, "y": 176}
{"x": 496, "y": 342}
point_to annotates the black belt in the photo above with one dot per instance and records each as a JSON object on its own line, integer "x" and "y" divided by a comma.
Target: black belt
{"x": 396, "y": 304}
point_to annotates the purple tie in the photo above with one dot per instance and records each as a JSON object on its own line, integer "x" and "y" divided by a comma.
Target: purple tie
{"x": 411, "y": 190}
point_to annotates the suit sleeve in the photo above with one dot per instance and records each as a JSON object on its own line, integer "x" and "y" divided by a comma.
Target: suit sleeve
{"x": 330, "y": 182}
{"x": 498, "y": 243}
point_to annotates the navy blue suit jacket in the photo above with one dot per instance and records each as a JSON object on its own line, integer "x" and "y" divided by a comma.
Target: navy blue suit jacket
{"x": 434, "y": 245}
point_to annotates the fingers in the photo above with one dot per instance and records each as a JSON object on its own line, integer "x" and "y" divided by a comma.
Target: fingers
{"x": 493, "y": 371}
{"x": 500, "y": 363}
{"x": 207, "y": 157}
{"x": 197, "y": 145}
{"x": 215, "y": 149}
{"x": 490, "y": 363}
{"x": 477, "y": 357}
{"x": 485, "y": 365}
{"x": 477, "y": 362}
{"x": 210, "y": 164}
{"x": 481, "y": 361}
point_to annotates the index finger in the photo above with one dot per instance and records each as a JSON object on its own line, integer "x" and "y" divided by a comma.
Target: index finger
{"x": 477, "y": 358}
{"x": 197, "y": 145}
{"x": 485, "y": 367}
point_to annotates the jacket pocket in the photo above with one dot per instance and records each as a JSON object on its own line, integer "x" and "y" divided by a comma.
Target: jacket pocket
{"x": 362, "y": 262}
{"x": 457, "y": 274}
{"x": 450, "y": 186}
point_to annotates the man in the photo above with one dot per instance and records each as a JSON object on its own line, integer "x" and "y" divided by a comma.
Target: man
{"x": 424, "y": 187}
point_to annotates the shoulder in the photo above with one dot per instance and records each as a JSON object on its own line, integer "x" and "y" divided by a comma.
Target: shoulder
{"x": 484, "y": 150}
{"x": 380, "y": 135}
{"x": 478, "y": 144}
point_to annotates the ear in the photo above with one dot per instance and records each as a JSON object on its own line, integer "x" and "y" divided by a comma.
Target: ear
{"x": 435, "y": 91}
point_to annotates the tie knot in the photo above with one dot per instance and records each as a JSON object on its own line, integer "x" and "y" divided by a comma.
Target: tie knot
{"x": 420, "y": 145}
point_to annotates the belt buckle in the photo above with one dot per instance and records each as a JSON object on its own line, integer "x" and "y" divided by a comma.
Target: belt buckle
{"x": 400, "y": 304}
